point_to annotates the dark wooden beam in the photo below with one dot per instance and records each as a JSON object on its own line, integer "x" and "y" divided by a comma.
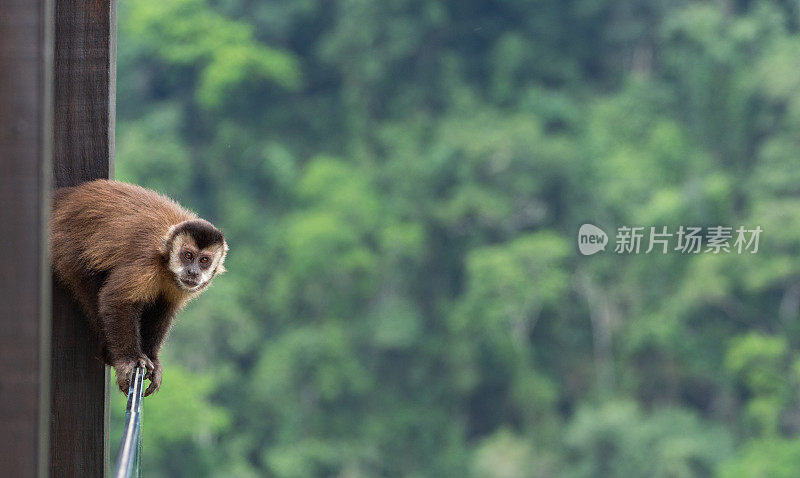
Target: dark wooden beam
{"x": 25, "y": 141}
{"x": 84, "y": 78}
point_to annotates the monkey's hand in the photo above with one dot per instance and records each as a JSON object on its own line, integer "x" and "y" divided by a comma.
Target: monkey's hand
{"x": 155, "y": 378}
{"x": 125, "y": 367}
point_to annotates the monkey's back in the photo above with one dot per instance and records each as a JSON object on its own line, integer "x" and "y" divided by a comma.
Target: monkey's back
{"x": 103, "y": 224}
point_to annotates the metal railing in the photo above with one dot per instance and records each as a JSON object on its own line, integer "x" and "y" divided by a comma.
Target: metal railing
{"x": 130, "y": 450}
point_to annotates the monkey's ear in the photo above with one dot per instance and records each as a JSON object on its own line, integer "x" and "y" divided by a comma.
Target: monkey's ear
{"x": 220, "y": 267}
{"x": 163, "y": 248}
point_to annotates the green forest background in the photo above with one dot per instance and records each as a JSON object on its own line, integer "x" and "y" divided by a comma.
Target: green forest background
{"x": 401, "y": 184}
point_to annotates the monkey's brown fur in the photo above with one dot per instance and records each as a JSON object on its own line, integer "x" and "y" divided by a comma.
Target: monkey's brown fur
{"x": 111, "y": 244}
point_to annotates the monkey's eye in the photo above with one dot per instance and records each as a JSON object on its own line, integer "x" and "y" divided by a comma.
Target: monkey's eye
{"x": 187, "y": 255}
{"x": 203, "y": 260}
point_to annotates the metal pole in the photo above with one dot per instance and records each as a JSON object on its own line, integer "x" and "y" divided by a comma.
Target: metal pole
{"x": 130, "y": 447}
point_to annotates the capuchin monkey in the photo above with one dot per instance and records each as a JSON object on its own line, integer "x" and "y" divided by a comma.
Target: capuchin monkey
{"x": 132, "y": 258}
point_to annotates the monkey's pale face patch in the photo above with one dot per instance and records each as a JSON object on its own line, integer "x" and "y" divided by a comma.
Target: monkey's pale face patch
{"x": 194, "y": 267}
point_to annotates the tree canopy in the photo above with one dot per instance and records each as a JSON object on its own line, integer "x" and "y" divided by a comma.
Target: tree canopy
{"x": 401, "y": 185}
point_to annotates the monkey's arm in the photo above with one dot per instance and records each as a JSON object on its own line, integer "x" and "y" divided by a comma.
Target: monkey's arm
{"x": 156, "y": 323}
{"x": 119, "y": 324}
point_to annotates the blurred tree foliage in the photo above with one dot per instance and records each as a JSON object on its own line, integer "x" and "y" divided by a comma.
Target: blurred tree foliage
{"x": 401, "y": 184}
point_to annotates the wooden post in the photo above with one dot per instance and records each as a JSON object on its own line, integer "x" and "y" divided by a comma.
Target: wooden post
{"x": 84, "y": 79}
{"x": 25, "y": 151}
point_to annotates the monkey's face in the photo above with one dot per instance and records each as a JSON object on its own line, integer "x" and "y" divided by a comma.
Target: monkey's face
{"x": 194, "y": 267}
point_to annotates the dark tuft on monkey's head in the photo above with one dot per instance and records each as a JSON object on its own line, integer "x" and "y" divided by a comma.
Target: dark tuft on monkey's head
{"x": 203, "y": 232}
